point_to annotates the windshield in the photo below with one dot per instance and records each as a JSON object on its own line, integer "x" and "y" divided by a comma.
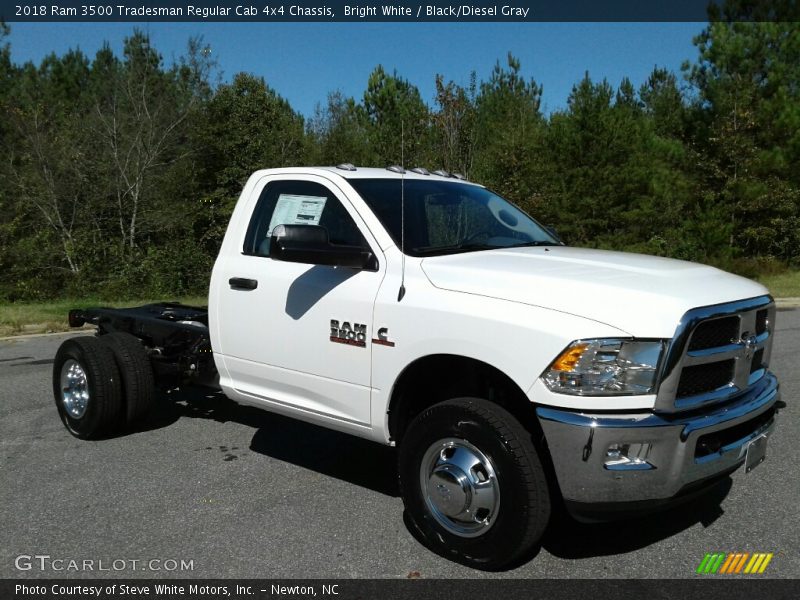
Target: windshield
{"x": 446, "y": 217}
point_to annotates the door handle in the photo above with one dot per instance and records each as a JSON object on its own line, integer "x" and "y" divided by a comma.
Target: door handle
{"x": 242, "y": 283}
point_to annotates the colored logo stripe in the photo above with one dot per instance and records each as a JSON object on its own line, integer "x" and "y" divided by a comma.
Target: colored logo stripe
{"x": 728, "y": 562}
{"x": 734, "y": 562}
{"x": 711, "y": 562}
{"x": 758, "y": 563}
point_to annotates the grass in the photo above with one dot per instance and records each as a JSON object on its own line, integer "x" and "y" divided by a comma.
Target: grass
{"x": 783, "y": 285}
{"x": 21, "y": 318}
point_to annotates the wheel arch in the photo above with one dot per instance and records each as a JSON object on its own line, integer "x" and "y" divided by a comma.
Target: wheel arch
{"x": 445, "y": 376}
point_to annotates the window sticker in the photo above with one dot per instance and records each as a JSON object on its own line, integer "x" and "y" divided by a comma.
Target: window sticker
{"x": 297, "y": 210}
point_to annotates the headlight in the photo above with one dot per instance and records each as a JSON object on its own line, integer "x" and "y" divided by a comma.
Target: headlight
{"x": 605, "y": 368}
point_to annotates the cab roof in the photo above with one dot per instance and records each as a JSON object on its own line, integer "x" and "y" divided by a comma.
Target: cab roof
{"x": 366, "y": 173}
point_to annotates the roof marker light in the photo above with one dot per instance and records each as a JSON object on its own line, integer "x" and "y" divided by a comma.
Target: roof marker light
{"x": 346, "y": 167}
{"x": 396, "y": 169}
{"x": 441, "y": 173}
{"x": 420, "y": 171}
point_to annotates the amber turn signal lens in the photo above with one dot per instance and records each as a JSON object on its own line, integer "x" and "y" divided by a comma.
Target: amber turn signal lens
{"x": 569, "y": 358}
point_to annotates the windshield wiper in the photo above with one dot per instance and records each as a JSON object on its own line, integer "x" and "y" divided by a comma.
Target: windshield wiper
{"x": 455, "y": 248}
{"x": 475, "y": 246}
{"x": 532, "y": 244}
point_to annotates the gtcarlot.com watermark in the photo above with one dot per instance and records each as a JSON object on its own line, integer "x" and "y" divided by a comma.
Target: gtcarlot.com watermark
{"x": 45, "y": 562}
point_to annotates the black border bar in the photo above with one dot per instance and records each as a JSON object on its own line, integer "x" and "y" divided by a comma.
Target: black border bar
{"x": 400, "y": 11}
{"x": 709, "y": 587}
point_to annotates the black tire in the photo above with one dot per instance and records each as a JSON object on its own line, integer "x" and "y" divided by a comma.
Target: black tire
{"x": 523, "y": 506}
{"x": 136, "y": 374}
{"x": 99, "y": 415}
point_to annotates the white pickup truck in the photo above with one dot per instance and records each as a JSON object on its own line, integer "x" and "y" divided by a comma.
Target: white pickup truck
{"x": 419, "y": 310}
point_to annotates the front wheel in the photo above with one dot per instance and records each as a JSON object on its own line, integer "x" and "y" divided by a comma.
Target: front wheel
{"x": 473, "y": 485}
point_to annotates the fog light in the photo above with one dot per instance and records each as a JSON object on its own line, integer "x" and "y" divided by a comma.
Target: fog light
{"x": 628, "y": 457}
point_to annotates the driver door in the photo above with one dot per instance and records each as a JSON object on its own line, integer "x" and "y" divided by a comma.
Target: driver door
{"x": 276, "y": 339}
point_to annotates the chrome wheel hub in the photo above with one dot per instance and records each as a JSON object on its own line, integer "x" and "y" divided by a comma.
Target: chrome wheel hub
{"x": 74, "y": 389}
{"x": 460, "y": 487}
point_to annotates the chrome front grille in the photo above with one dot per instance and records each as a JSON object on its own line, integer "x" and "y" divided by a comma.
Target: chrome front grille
{"x": 717, "y": 352}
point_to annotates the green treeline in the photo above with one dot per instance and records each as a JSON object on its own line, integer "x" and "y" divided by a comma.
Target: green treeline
{"x": 118, "y": 173}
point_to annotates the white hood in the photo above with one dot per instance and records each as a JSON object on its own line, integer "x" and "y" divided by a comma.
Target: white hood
{"x": 642, "y": 295}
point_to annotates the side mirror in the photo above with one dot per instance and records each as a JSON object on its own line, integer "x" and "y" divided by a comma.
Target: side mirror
{"x": 310, "y": 244}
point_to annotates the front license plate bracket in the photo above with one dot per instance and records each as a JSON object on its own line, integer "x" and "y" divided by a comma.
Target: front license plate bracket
{"x": 756, "y": 453}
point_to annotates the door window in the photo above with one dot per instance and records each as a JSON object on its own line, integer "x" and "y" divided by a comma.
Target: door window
{"x": 297, "y": 203}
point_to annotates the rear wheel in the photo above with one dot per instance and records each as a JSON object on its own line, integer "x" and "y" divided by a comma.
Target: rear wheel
{"x": 136, "y": 374}
{"x": 86, "y": 387}
{"x": 472, "y": 483}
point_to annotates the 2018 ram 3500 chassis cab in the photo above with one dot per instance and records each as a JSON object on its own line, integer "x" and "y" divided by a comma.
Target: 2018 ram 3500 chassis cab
{"x": 422, "y": 311}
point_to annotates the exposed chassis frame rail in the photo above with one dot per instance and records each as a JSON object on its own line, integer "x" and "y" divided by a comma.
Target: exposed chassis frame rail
{"x": 175, "y": 335}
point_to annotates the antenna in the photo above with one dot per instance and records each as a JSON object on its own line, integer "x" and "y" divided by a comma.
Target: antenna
{"x": 402, "y": 291}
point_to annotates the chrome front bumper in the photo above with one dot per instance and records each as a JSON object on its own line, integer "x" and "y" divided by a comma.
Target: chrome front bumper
{"x": 579, "y": 444}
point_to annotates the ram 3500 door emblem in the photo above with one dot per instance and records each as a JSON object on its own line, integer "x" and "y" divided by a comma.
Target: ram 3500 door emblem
{"x": 345, "y": 333}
